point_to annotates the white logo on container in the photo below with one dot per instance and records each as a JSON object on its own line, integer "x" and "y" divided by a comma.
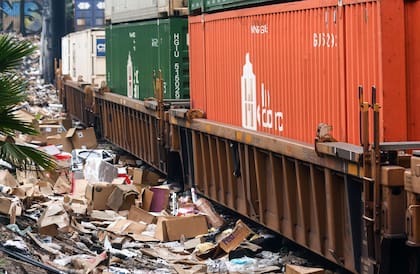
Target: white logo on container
{"x": 253, "y": 115}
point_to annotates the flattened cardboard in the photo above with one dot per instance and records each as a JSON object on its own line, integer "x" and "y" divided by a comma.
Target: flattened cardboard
{"x": 122, "y": 197}
{"x": 62, "y": 185}
{"x": 60, "y": 141}
{"x": 7, "y": 179}
{"x": 124, "y": 227}
{"x": 296, "y": 269}
{"x": 147, "y": 198}
{"x": 85, "y": 138}
{"x": 53, "y": 219}
{"x": 79, "y": 187}
{"x": 98, "y": 194}
{"x": 139, "y": 215}
{"x": 172, "y": 228}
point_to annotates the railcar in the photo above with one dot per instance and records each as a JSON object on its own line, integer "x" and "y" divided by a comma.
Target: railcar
{"x": 342, "y": 176}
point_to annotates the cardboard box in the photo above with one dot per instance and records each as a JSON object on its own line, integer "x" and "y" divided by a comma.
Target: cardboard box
{"x": 139, "y": 215}
{"x": 60, "y": 141}
{"x": 146, "y": 199}
{"x": 85, "y": 138}
{"x": 48, "y": 130}
{"x": 295, "y": 269}
{"x": 171, "y": 228}
{"x": 122, "y": 197}
{"x": 236, "y": 237}
{"x": 392, "y": 175}
{"x": 145, "y": 177}
{"x": 7, "y": 179}
{"x": 7, "y": 206}
{"x": 98, "y": 193}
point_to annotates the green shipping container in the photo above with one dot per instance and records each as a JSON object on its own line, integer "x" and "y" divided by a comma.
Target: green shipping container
{"x": 135, "y": 51}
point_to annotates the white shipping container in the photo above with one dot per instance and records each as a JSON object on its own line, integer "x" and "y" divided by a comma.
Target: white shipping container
{"x": 65, "y": 55}
{"x": 83, "y": 56}
{"x": 119, "y": 11}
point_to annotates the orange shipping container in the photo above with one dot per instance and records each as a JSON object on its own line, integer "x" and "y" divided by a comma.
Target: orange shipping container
{"x": 283, "y": 69}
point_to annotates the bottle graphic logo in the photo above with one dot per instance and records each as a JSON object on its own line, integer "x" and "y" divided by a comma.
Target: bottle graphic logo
{"x": 249, "y": 96}
{"x": 129, "y": 76}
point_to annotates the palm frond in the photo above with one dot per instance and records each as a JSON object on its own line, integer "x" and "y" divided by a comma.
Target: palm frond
{"x": 26, "y": 157}
{"x": 9, "y": 123}
{"x": 11, "y": 90}
{"x": 12, "y": 51}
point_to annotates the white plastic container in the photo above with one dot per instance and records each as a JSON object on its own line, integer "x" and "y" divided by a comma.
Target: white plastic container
{"x": 83, "y": 56}
{"x": 118, "y": 11}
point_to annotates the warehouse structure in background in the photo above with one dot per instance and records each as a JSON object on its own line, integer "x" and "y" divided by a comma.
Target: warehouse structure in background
{"x": 310, "y": 121}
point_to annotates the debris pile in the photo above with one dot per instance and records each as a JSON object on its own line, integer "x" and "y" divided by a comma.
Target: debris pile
{"x": 102, "y": 211}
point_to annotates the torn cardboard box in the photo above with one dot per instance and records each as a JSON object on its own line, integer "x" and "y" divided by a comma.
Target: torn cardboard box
{"x": 239, "y": 233}
{"x": 172, "y": 228}
{"x": 9, "y": 206}
{"x": 98, "y": 193}
{"x": 145, "y": 177}
{"x": 7, "y": 179}
{"x": 122, "y": 197}
{"x": 85, "y": 138}
{"x": 53, "y": 219}
{"x": 139, "y": 215}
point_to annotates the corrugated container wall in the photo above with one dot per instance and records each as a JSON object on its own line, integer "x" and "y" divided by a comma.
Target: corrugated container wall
{"x": 283, "y": 69}
{"x": 83, "y": 55}
{"x": 88, "y": 14}
{"x": 118, "y": 11}
{"x": 413, "y": 67}
{"x": 199, "y": 6}
{"x": 136, "y": 50}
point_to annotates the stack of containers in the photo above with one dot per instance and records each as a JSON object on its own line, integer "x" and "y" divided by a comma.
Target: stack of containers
{"x": 144, "y": 37}
{"x": 88, "y": 14}
{"x": 284, "y": 68}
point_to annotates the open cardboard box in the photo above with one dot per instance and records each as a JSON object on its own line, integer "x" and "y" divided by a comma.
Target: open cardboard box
{"x": 98, "y": 193}
{"x": 82, "y": 138}
{"x": 170, "y": 228}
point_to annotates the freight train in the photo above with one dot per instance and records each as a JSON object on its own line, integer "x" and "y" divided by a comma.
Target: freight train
{"x": 299, "y": 115}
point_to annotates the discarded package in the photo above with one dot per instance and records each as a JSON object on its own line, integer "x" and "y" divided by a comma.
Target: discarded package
{"x": 139, "y": 215}
{"x": 97, "y": 170}
{"x": 85, "y": 138}
{"x": 7, "y": 179}
{"x": 239, "y": 233}
{"x": 53, "y": 219}
{"x": 10, "y": 206}
{"x": 171, "y": 228}
{"x": 213, "y": 217}
{"x": 98, "y": 193}
{"x": 143, "y": 176}
{"x": 296, "y": 269}
{"x": 122, "y": 197}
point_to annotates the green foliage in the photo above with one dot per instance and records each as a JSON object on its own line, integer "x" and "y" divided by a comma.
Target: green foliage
{"x": 12, "y": 92}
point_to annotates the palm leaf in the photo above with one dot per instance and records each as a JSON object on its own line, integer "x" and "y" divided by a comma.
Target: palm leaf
{"x": 9, "y": 123}
{"x": 26, "y": 157}
{"x": 11, "y": 90}
{"x": 12, "y": 52}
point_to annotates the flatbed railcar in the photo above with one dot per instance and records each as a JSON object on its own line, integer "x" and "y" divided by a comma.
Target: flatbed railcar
{"x": 355, "y": 200}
